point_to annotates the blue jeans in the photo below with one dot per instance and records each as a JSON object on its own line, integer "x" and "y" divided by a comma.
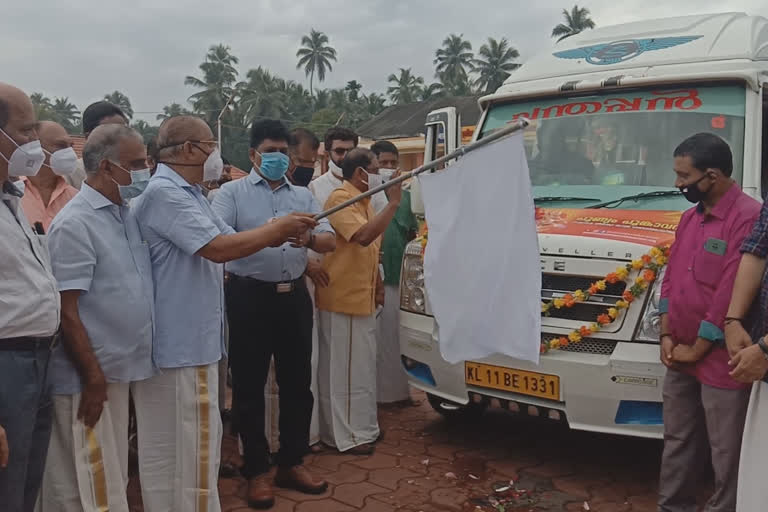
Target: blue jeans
{"x": 25, "y": 414}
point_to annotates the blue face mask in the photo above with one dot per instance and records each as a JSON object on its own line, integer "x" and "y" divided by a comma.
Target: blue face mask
{"x": 139, "y": 181}
{"x": 274, "y": 165}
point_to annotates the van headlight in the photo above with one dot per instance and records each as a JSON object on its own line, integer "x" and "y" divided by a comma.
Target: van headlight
{"x": 413, "y": 297}
{"x": 649, "y": 329}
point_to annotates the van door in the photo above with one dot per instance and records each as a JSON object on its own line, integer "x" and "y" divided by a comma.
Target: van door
{"x": 442, "y": 136}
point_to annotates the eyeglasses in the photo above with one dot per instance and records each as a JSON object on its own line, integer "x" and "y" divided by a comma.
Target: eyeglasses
{"x": 342, "y": 151}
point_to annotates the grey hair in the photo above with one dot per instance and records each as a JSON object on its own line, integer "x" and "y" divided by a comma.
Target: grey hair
{"x": 104, "y": 144}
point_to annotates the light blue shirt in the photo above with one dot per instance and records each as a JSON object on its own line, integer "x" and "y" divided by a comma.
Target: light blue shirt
{"x": 96, "y": 247}
{"x": 250, "y": 202}
{"x": 177, "y": 221}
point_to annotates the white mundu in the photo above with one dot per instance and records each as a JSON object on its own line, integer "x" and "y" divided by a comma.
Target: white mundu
{"x": 752, "y": 494}
{"x": 96, "y": 477}
{"x": 180, "y": 468}
{"x": 347, "y": 380}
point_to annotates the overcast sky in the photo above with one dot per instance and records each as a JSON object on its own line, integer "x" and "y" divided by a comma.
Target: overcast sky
{"x": 84, "y": 49}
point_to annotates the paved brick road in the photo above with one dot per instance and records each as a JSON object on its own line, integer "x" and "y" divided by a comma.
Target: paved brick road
{"x": 425, "y": 464}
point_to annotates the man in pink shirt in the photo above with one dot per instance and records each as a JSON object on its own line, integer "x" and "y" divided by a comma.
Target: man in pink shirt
{"x": 47, "y": 193}
{"x": 704, "y": 408}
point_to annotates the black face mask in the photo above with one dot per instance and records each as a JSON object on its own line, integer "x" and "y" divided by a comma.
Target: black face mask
{"x": 302, "y": 176}
{"x": 693, "y": 193}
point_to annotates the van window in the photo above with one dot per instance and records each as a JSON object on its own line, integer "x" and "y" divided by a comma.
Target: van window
{"x": 613, "y": 145}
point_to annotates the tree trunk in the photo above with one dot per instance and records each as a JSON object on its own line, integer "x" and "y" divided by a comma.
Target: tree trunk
{"x": 311, "y": 77}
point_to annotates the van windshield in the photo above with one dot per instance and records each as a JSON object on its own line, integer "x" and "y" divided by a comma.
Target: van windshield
{"x": 591, "y": 149}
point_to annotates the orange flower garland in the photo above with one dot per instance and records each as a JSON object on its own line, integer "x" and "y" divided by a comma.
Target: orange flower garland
{"x": 648, "y": 266}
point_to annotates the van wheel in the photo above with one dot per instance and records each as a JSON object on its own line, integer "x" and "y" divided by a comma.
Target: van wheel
{"x": 453, "y": 411}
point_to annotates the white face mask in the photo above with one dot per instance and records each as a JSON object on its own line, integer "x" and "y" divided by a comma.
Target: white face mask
{"x": 26, "y": 160}
{"x": 386, "y": 174}
{"x": 64, "y": 161}
{"x": 374, "y": 180}
{"x": 213, "y": 166}
{"x": 335, "y": 169}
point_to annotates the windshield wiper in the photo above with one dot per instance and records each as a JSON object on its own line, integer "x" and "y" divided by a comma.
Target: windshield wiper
{"x": 553, "y": 199}
{"x": 636, "y": 197}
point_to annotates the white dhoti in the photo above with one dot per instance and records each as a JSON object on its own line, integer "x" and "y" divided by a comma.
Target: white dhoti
{"x": 752, "y": 493}
{"x": 391, "y": 379}
{"x": 271, "y": 392}
{"x": 87, "y": 468}
{"x": 347, "y": 380}
{"x": 180, "y": 453}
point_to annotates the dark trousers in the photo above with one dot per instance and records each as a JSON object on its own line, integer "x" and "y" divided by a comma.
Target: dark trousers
{"x": 25, "y": 414}
{"x": 264, "y": 324}
{"x": 701, "y": 424}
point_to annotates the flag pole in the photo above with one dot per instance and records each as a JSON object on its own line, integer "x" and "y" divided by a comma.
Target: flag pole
{"x": 492, "y": 137}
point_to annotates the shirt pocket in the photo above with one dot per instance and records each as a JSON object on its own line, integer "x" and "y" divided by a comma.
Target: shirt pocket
{"x": 707, "y": 268}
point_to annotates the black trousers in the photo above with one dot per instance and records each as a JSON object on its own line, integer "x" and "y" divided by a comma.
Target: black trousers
{"x": 264, "y": 324}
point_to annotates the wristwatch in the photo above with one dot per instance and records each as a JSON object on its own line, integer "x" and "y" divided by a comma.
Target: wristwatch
{"x": 763, "y": 346}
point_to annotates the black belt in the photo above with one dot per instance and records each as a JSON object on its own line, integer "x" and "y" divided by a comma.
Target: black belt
{"x": 28, "y": 343}
{"x": 281, "y": 287}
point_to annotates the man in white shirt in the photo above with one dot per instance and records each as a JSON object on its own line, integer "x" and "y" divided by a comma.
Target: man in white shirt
{"x": 29, "y": 316}
{"x": 338, "y": 142}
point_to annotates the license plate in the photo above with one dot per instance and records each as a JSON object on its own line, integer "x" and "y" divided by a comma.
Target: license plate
{"x": 513, "y": 381}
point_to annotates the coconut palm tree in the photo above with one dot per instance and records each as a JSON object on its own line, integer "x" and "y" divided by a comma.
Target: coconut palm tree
{"x": 172, "y": 110}
{"x": 122, "y": 101}
{"x": 374, "y": 103}
{"x": 405, "y": 88}
{"x": 495, "y": 63}
{"x": 42, "y": 105}
{"x": 315, "y": 56}
{"x": 454, "y": 61}
{"x": 432, "y": 91}
{"x": 576, "y": 21}
{"x": 263, "y": 95}
{"x": 353, "y": 89}
{"x": 218, "y": 83}
{"x": 321, "y": 99}
{"x": 147, "y": 131}
{"x": 66, "y": 114}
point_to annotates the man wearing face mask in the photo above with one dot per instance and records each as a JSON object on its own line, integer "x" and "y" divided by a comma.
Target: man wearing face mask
{"x": 46, "y": 193}
{"x": 338, "y": 143}
{"x": 302, "y": 150}
{"x": 270, "y": 315}
{"x": 704, "y": 407}
{"x": 96, "y": 114}
{"x": 392, "y": 381}
{"x": 29, "y": 316}
{"x": 105, "y": 279}
{"x": 347, "y": 359}
{"x": 188, "y": 242}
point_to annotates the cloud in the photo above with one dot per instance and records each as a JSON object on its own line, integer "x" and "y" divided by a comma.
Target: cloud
{"x": 86, "y": 48}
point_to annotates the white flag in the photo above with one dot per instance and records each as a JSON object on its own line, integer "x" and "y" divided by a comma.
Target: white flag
{"x": 482, "y": 267}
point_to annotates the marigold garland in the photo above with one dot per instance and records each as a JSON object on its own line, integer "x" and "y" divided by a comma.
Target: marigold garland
{"x": 648, "y": 267}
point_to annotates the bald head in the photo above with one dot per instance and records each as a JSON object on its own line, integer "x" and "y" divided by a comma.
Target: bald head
{"x": 53, "y": 136}
{"x": 114, "y": 143}
{"x": 175, "y": 131}
{"x": 17, "y": 120}
{"x": 12, "y": 98}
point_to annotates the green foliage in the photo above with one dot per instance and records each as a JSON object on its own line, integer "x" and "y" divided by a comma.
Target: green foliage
{"x": 59, "y": 110}
{"x": 576, "y": 21}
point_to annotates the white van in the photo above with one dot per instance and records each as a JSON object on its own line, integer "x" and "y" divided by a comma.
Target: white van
{"x": 608, "y": 107}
